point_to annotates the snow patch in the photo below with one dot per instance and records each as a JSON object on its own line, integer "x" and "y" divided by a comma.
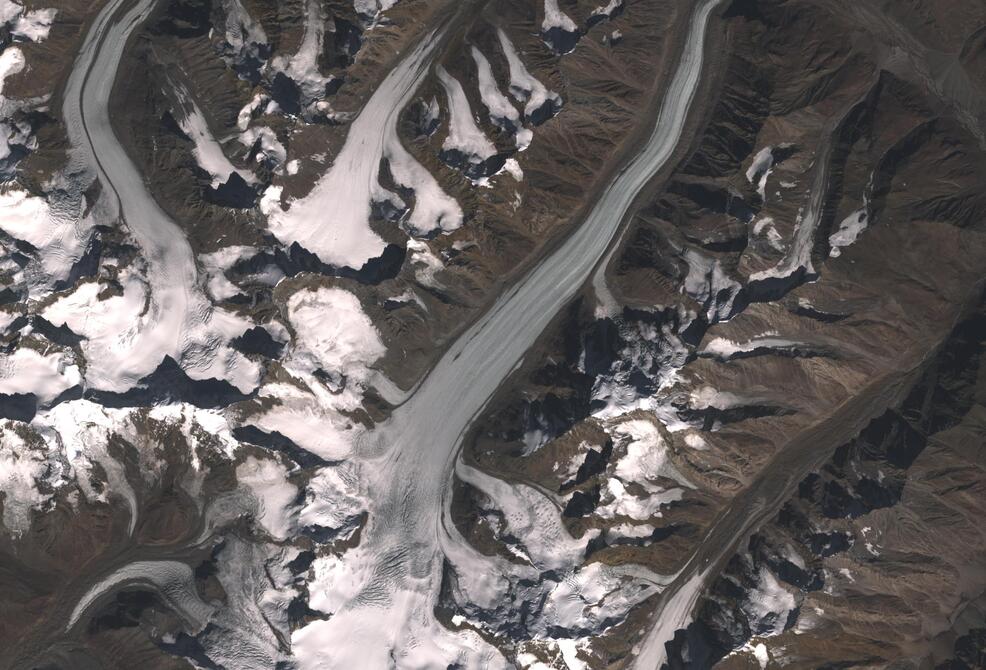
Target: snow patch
{"x": 760, "y": 169}
{"x": 849, "y": 231}
{"x": 524, "y": 87}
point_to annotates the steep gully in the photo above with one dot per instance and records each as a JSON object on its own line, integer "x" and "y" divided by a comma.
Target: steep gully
{"x": 413, "y": 454}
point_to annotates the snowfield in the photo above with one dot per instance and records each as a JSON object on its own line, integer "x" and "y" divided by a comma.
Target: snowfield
{"x": 336, "y": 339}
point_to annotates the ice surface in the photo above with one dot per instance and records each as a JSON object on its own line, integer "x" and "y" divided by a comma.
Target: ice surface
{"x": 769, "y": 604}
{"x": 215, "y": 265}
{"x": 332, "y": 221}
{"x": 464, "y": 135}
{"x": 334, "y": 336}
{"x": 725, "y": 349}
{"x": 434, "y": 210}
{"x": 248, "y": 111}
{"x": 502, "y": 112}
{"x": 208, "y": 152}
{"x": 426, "y": 264}
{"x": 21, "y": 468}
{"x": 370, "y": 10}
{"x": 302, "y": 67}
{"x": 243, "y": 34}
{"x": 644, "y": 463}
{"x": 128, "y": 335}
{"x": 29, "y": 218}
{"x": 760, "y": 169}
{"x": 532, "y": 518}
{"x": 78, "y": 432}
{"x": 333, "y": 499}
{"x": 266, "y": 141}
{"x": 333, "y": 333}
{"x": 26, "y": 370}
{"x": 397, "y": 570}
{"x": 765, "y": 226}
{"x": 33, "y": 25}
{"x": 11, "y": 62}
{"x": 555, "y": 18}
{"x": 250, "y": 631}
{"x": 607, "y": 10}
{"x": 709, "y": 284}
{"x": 174, "y": 581}
{"x": 268, "y": 482}
{"x": 646, "y": 457}
{"x": 849, "y": 231}
{"x": 175, "y": 319}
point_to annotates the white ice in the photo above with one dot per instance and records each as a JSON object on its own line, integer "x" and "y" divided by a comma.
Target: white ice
{"x": 555, "y": 18}
{"x": 21, "y": 468}
{"x": 332, "y": 221}
{"x": 502, "y": 112}
{"x": 334, "y": 335}
{"x": 26, "y": 370}
{"x": 268, "y": 481}
{"x": 215, "y": 264}
{"x": 464, "y": 134}
{"x": 208, "y": 151}
{"x": 849, "y": 231}
{"x": 524, "y": 87}
{"x": 33, "y": 25}
{"x": 29, "y": 218}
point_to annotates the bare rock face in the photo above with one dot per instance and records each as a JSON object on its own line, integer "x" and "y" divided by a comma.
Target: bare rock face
{"x": 491, "y": 334}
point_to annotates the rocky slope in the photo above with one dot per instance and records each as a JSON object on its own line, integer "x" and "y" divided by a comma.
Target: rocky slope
{"x": 239, "y": 237}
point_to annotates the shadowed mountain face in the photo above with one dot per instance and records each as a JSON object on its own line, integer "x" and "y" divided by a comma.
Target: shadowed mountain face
{"x": 557, "y": 334}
